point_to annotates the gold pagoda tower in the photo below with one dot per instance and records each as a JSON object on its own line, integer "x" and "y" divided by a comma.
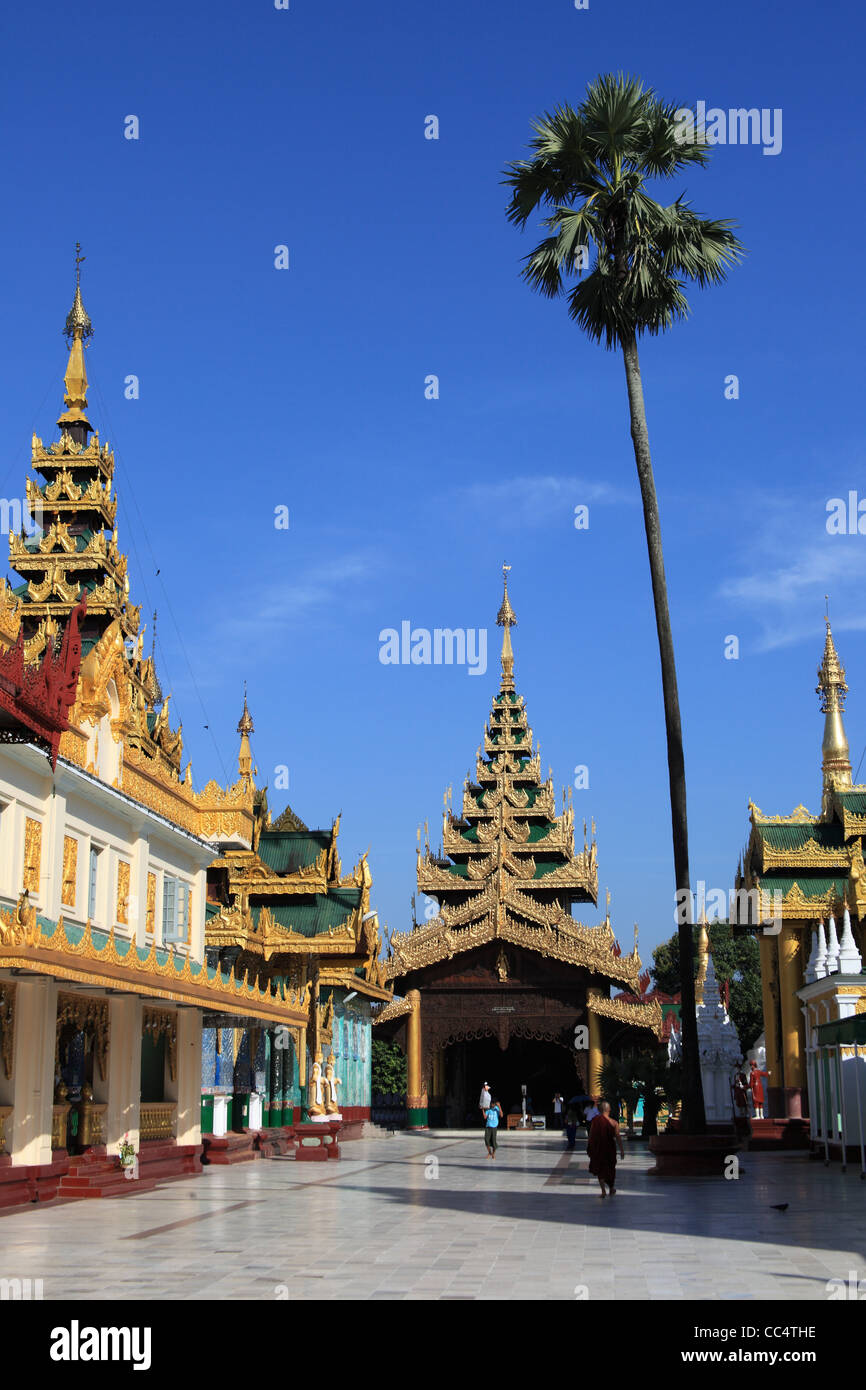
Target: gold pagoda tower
{"x": 798, "y": 877}
{"x": 503, "y": 958}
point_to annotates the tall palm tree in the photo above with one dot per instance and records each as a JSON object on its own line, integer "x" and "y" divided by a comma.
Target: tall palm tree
{"x": 591, "y": 168}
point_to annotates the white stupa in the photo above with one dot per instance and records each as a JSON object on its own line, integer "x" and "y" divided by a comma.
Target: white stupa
{"x": 718, "y": 1045}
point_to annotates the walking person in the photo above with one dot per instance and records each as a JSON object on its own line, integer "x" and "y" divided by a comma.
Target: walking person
{"x": 491, "y": 1126}
{"x": 571, "y": 1127}
{"x": 604, "y": 1136}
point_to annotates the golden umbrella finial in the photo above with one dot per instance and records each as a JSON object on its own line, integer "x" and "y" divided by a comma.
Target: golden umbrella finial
{"x": 78, "y": 323}
{"x": 77, "y": 330}
{"x": 506, "y": 618}
{"x": 245, "y": 728}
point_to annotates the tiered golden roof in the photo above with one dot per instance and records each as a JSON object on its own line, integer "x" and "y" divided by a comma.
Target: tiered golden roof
{"x": 284, "y": 909}
{"x": 75, "y": 549}
{"x": 507, "y": 868}
{"x": 803, "y": 867}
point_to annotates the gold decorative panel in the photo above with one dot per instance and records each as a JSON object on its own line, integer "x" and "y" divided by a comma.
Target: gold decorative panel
{"x": 156, "y": 1121}
{"x": 32, "y": 854}
{"x": 151, "y": 904}
{"x": 92, "y": 1124}
{"x": 58, "y": 1126}
{"x": 122, "y": 892}
{"x": 70, "y": 870}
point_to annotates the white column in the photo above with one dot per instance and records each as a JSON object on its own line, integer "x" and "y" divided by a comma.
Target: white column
{"x": 33, "y": 1070}
{"x": 199, "y": 898}
{"x": 124, "y": 1071}
{"x": 51, "y": 872}
{"x": 188, "y": 1129}
{"x": 138, "y": 890}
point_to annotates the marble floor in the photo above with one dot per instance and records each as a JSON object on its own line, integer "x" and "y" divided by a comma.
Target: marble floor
{"x": 423, "y": 1217}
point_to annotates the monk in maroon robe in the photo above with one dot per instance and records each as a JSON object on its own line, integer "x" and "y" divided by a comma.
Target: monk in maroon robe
{"x": 604, "y": 1136}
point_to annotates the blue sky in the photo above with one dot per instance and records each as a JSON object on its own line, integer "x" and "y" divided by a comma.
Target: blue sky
{"x": 305, "y": 388}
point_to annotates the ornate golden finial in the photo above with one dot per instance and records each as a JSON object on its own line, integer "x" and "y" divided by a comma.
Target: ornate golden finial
{"x": 245, "y": 728}
{"x": 831, "y": 687}
{"x": 78, "y": 323}
{"x": 506, "y": 618}
{"x": 78, "y": 329}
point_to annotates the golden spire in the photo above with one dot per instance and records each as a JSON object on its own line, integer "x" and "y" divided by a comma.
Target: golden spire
{"x": 245, "y": 728}
{"x": 505, "y": 618}
{"x": 836, "y": 762}
{"x": 77, "y": 331}
{"x": 703, "y": 954}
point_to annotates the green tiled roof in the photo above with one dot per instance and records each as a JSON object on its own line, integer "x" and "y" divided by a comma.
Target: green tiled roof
{"x": 314, "y": 914}
{"x": 286, "y": 851}
{"x": 795, "y": 836}
{"x": 539, "y": 832}
{"x": 547, "y": 868}
{"x": 811, "y": 885}
{"x": 853, "y": 802}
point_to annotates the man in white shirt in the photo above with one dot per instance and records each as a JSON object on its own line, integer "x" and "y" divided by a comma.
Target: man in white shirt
{"x": 590, "y": 1113}
{"x": 484, "y": 1101}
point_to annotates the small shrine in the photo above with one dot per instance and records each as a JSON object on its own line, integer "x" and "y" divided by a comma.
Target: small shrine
{"x": 718, "y": 1044}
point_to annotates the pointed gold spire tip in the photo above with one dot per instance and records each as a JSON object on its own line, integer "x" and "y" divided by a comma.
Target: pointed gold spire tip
{"x": 506, "y": 618}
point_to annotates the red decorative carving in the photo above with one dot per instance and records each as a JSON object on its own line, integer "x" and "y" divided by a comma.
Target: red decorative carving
{"x": 36, "y": 699}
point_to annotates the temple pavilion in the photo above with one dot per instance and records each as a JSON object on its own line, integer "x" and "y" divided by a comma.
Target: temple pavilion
{"x": 282, "y": 914}
{"x": 503, "y": 984}
{"x": 169, "y": 958}
{"x": 805, "y": 878}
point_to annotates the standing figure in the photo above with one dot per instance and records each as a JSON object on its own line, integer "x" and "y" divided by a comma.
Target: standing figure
{"x": 741, "y": 1095}
{"x": 604, "y": 1136}
{"x": 331, "y": 1082}
{"x": 756, "y": 1086}
{"x": 571, "y": 1127}
{"x": 315, "y": 1098}
{"x": 484, "y": 1102}
{"x": 491, "y": 1126}
{"x": 558, "y": 1107}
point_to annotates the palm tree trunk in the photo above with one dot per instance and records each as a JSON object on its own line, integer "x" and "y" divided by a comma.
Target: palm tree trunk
{"x": 694, "y": 1119}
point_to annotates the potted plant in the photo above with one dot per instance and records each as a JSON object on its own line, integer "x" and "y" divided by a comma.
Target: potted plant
{"x": 126, "y": 1152}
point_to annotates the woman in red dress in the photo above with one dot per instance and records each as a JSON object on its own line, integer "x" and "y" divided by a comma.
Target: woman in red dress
{"x": 604, "y": 1136}
{"x": 757, "y": 1088}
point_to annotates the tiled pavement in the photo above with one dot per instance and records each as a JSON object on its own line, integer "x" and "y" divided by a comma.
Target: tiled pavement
{"x": 423, "y": 1217}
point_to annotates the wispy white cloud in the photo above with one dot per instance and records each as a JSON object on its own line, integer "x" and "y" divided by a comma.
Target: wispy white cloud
{"x": 787, "y": 562}
{"x": 533, "y": 499}
{"x": 279, "y": 604}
